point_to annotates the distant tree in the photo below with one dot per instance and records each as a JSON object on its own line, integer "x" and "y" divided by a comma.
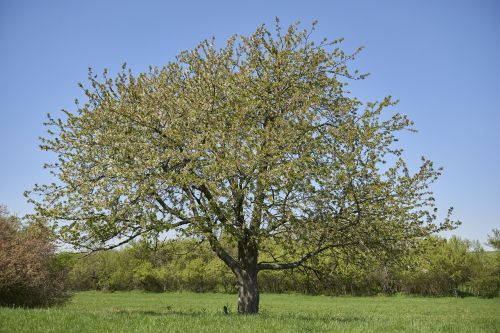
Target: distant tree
{"x": 29, "y": 276}
{"x": 256, "y": 142}
{"x": 449, "y": 265}
{"x": 487, "y": 282}
{"x": 494, "y": 239}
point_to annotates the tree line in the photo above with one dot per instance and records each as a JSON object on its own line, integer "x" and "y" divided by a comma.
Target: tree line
{"x": 33, "y": 273}
{"x": 439, "y": 267}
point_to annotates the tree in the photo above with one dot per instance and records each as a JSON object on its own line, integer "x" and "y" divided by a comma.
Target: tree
{"x": 487, "y": 282}
{"x": 443, "y": 267}
{"x": 494, "y": 239}
{"x": 257, "y": 140}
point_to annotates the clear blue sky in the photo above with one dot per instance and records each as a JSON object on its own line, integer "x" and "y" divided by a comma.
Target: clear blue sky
{"x": 440, "y": 58}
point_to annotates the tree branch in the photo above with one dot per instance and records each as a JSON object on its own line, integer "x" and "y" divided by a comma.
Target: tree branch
{"x": 300, "y": 262}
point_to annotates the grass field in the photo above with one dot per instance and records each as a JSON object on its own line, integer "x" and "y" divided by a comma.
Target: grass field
{"x": 189, "y": 312}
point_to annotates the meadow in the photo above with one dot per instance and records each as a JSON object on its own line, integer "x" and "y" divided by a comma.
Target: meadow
{"x": 191, "y": 312}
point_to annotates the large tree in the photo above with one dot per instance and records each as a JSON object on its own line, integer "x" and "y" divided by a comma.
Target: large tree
{"x": 257, "y": 142}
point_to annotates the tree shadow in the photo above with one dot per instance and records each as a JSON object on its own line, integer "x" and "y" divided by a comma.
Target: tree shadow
{"x": 326, "y": 318}
{"x": 169, "y": 312}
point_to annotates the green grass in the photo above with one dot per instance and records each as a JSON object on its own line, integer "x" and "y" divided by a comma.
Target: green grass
{"x": 189, "y": 312}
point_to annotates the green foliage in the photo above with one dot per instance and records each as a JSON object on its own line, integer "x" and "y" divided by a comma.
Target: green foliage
{"x": 254, "y": 143}
{"x": 440, "y": 267}
{"x": 494, "y": 239}
{"x": 173, "y": 265}
{"x": 486, "y": 281}
{"x": 104, "y": 271}
{"x": 147, "y": 276}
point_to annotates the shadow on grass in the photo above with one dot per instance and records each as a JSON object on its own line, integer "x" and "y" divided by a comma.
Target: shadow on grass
{"x": 188, "y": 313}
{"x": 327, "y": 318}
{"x": 264, "y": 315}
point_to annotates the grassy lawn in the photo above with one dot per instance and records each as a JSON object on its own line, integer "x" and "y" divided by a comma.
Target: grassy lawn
{"x": 189, "y": 312}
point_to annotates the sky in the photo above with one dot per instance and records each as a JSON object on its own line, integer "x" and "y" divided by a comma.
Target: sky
{"x": 441, "y": 59}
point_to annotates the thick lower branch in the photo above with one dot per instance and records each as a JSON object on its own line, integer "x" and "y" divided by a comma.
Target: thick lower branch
{"x": 223, "y": 254}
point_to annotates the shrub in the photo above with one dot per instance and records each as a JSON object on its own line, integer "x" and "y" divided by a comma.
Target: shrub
{"x": 29, "y": 274}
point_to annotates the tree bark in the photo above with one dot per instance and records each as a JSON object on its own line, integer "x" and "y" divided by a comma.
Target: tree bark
{"x": 248, "y": 300}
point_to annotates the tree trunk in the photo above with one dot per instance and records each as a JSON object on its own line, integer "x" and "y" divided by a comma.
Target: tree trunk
{"x": 245, "y": 270}
{"x": 248, "y": 300}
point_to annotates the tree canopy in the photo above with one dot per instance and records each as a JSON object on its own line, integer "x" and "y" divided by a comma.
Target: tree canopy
{"x": 256, "y": 140}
